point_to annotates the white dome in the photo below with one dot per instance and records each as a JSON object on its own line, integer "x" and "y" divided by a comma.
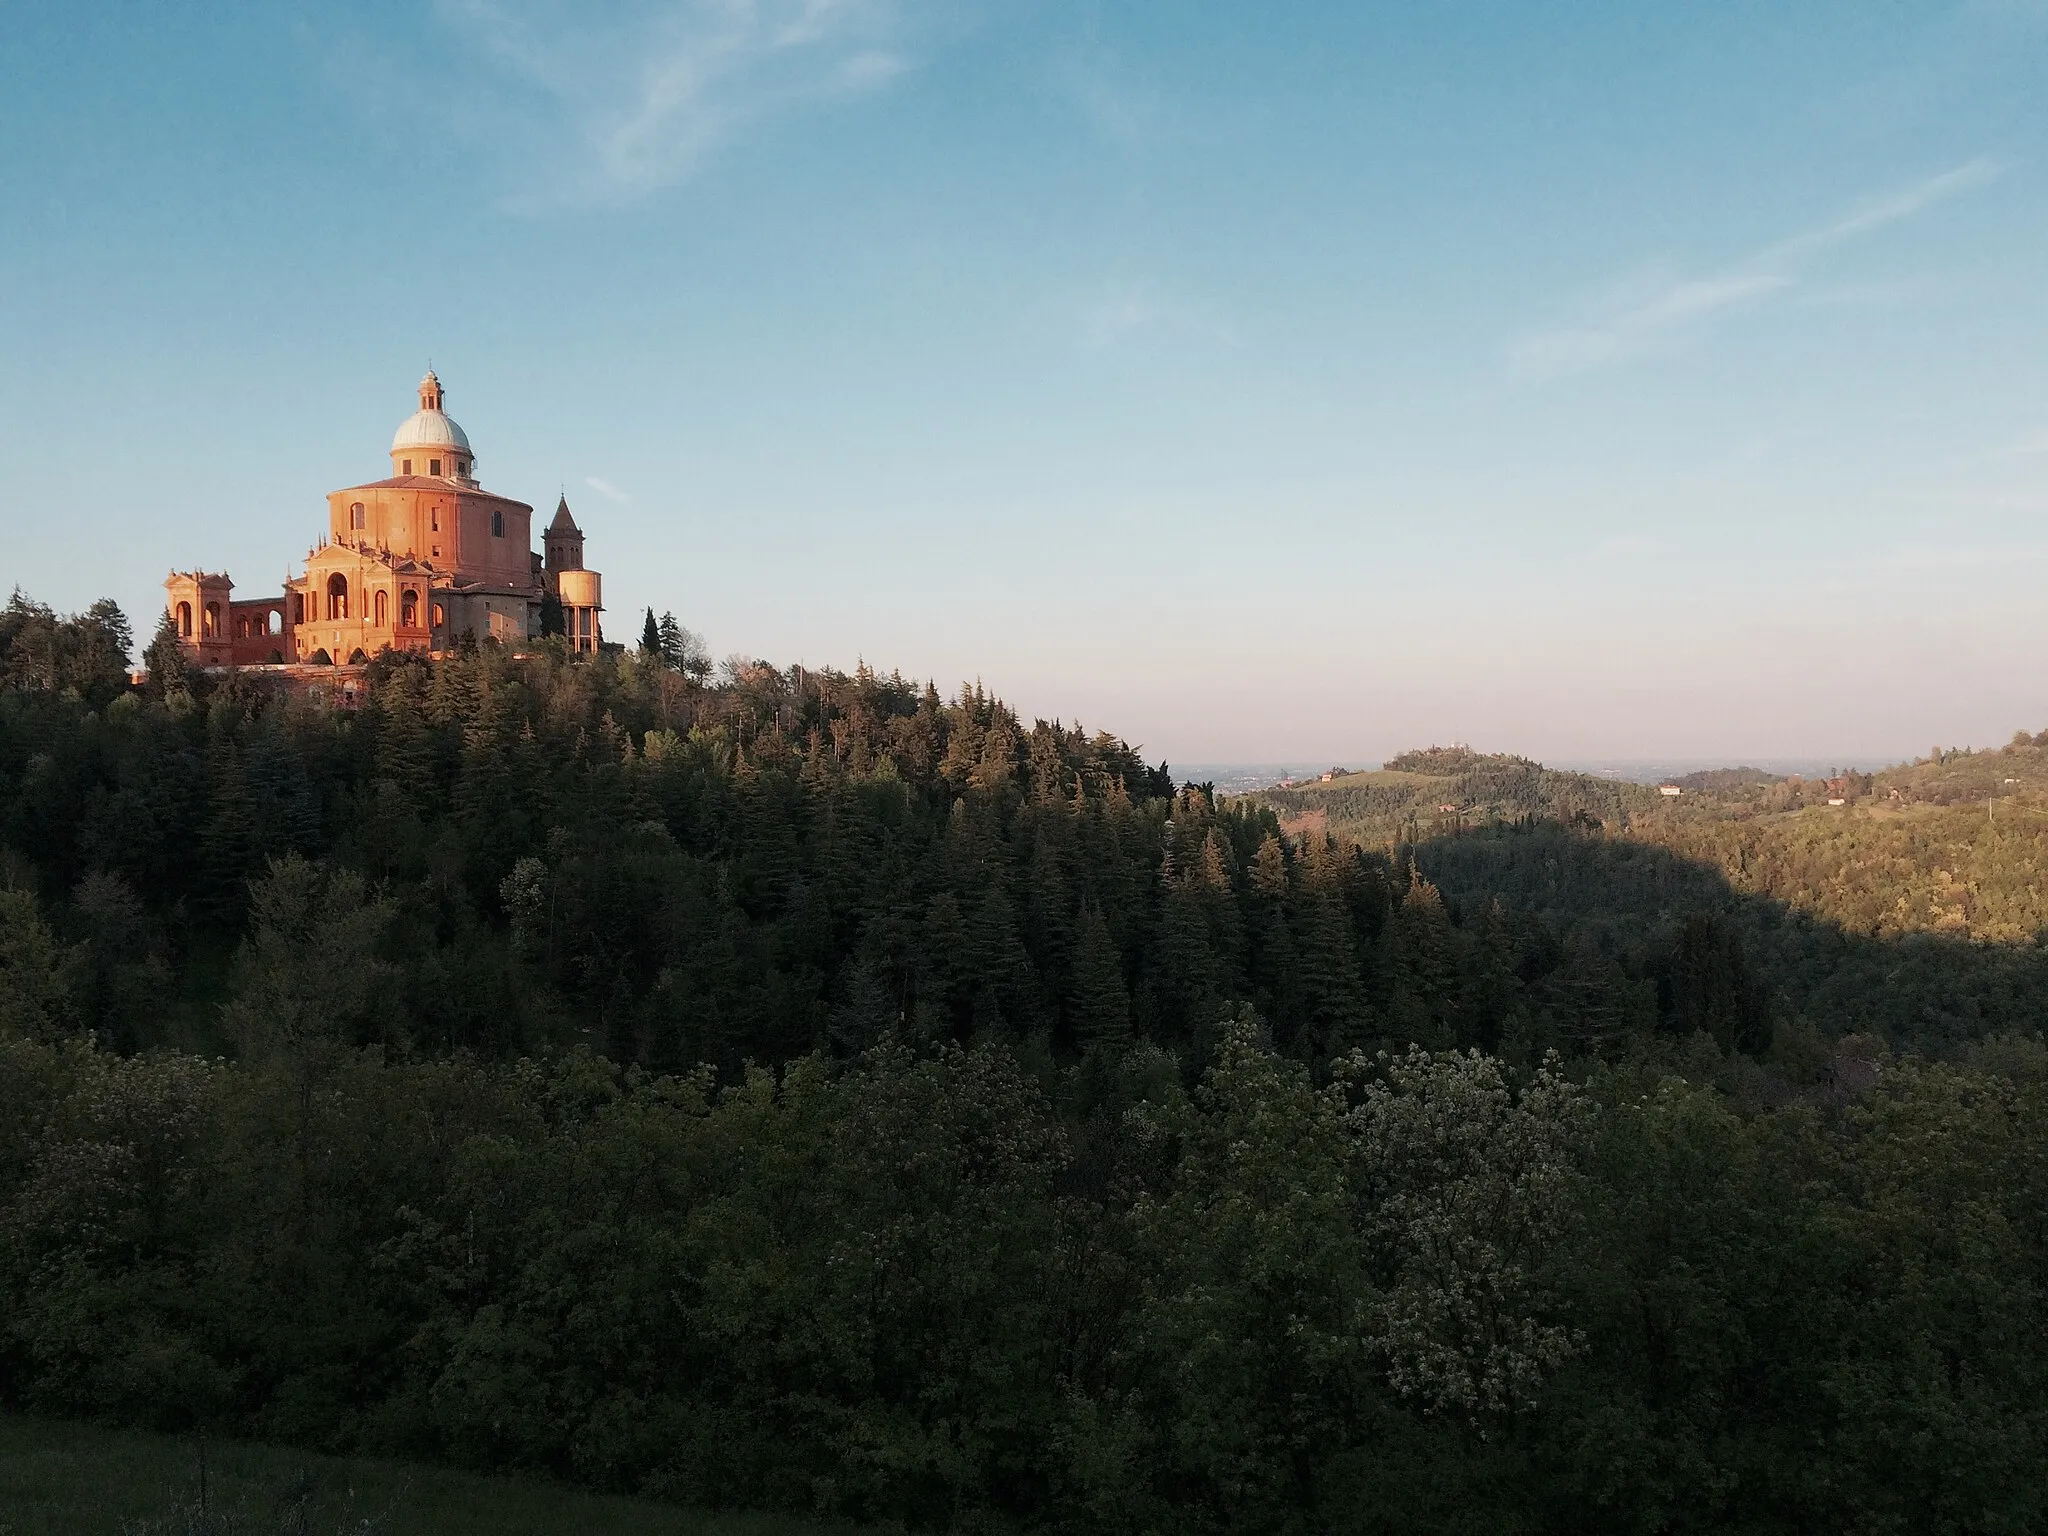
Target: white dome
{"x": 429, "y": 429}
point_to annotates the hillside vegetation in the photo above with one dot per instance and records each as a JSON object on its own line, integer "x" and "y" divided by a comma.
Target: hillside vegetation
{"x": 1956, "y": 843}
{"x": 804, "y": 1092}
{"x": 1429, "y": 793}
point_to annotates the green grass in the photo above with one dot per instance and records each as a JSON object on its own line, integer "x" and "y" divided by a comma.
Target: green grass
{"x": 62, "y": 1479}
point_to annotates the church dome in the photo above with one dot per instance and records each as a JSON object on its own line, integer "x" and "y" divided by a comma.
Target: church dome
{"x": 429, "y": 442}
{"x": 429, "y": 429}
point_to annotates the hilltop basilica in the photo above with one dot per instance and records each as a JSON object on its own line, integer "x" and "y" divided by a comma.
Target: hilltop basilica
{"x": 415, "y": 562}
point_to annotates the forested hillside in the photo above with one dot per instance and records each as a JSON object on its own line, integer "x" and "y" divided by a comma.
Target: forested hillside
{"x": 1906, "y": 904}
{"x": 803, "y": 1090}
{"x": 1439, "y": 790}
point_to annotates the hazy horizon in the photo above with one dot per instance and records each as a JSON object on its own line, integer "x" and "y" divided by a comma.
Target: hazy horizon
{"x": 1308, "y": 383}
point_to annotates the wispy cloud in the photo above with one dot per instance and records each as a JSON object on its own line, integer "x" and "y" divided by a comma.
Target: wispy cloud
{"x": 2033, "y": 443}
{"x": 1142, "y": 308}
{"x": 1679, "y": 306}
{"x": 597, "y": 102}
{"x": 606, "y": 489}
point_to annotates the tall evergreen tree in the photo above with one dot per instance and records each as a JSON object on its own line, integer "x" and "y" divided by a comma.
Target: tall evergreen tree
{"x": 1099, "y": 1002}
{"x": 165, "y": 659}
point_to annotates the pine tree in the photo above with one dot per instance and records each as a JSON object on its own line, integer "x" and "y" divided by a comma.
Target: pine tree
{"x": 870, "y": 1009}
{"x": 1712, "y": 990}
{"x": 228, "y": 852}
{"x": 165, "y": 658}
{"x": 1099, "y": 1004}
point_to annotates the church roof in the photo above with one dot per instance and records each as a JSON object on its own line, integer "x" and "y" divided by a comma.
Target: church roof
{"x": 429, "y": 483}
{"x": 563, "y": 522}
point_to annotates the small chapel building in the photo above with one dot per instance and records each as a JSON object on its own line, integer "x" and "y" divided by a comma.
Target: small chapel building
{"x": 414, "y": 562}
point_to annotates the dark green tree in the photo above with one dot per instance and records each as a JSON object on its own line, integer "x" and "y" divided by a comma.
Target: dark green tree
{"x": 164, "y": 658}
{"x": 1099, "y": 1001}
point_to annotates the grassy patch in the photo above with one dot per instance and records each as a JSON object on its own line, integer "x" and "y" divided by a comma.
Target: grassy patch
{"x": 61, "y": 1479}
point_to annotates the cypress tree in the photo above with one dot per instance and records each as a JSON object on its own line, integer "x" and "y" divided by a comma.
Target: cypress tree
{"x": 650, "y": 640}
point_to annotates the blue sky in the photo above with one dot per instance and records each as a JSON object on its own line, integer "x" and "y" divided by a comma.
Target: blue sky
{"x": 1259, "y": 382}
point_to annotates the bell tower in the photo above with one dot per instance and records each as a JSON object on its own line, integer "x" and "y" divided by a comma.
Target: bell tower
{"x": 564, "y": 541}
{"x": 579, "y": 591}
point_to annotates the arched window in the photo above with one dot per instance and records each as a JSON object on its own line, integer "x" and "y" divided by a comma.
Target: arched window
{"x": 276, "y": 624}
{"x": 337, "y": 596}
{"x": 440, "y": 615}
{"x": 409, "y": 610}
{"x": 355, "y": 514}
{"x": 382, "y": 612}
{"x": 211, "y": 621}
{"x": 497, "y": 525}
{"x": 185, "y": 621}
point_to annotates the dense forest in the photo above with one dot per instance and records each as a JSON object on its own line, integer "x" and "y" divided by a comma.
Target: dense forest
{"x": 804, "y": 1090}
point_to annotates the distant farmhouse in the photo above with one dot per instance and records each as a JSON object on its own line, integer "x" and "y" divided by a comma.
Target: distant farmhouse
{"x": 417, "y": 562}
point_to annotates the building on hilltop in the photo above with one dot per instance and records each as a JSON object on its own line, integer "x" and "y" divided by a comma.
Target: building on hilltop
{"x": 414, "y": 562}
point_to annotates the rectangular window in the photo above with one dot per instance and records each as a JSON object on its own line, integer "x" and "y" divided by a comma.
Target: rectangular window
{"x": 433, "y": 466}
{"x": 408, "y": 466}
{"x": 436, "y": 516}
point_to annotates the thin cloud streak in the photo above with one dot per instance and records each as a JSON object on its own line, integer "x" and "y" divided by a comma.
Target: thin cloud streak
{"x": 606, "y": 489}
{"x": 1769, "y": 273}
{"x": 609, "y": 103}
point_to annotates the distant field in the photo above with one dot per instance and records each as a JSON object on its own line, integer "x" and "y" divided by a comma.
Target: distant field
{"x": 60, "y": 1479}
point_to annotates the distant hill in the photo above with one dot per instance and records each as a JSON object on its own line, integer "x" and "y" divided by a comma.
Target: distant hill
{"x": 1726, "y": 778}
{"x": 1434, "y": 790}
{"x": 1953, "y": 844}
{"x": 1449, "y": 762}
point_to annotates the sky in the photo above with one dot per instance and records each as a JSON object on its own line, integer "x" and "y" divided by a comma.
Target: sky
{"x": 1294, "y": 381}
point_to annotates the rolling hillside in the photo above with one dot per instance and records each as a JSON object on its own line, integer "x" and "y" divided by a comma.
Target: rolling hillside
{"x": 1440, "y": 790}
